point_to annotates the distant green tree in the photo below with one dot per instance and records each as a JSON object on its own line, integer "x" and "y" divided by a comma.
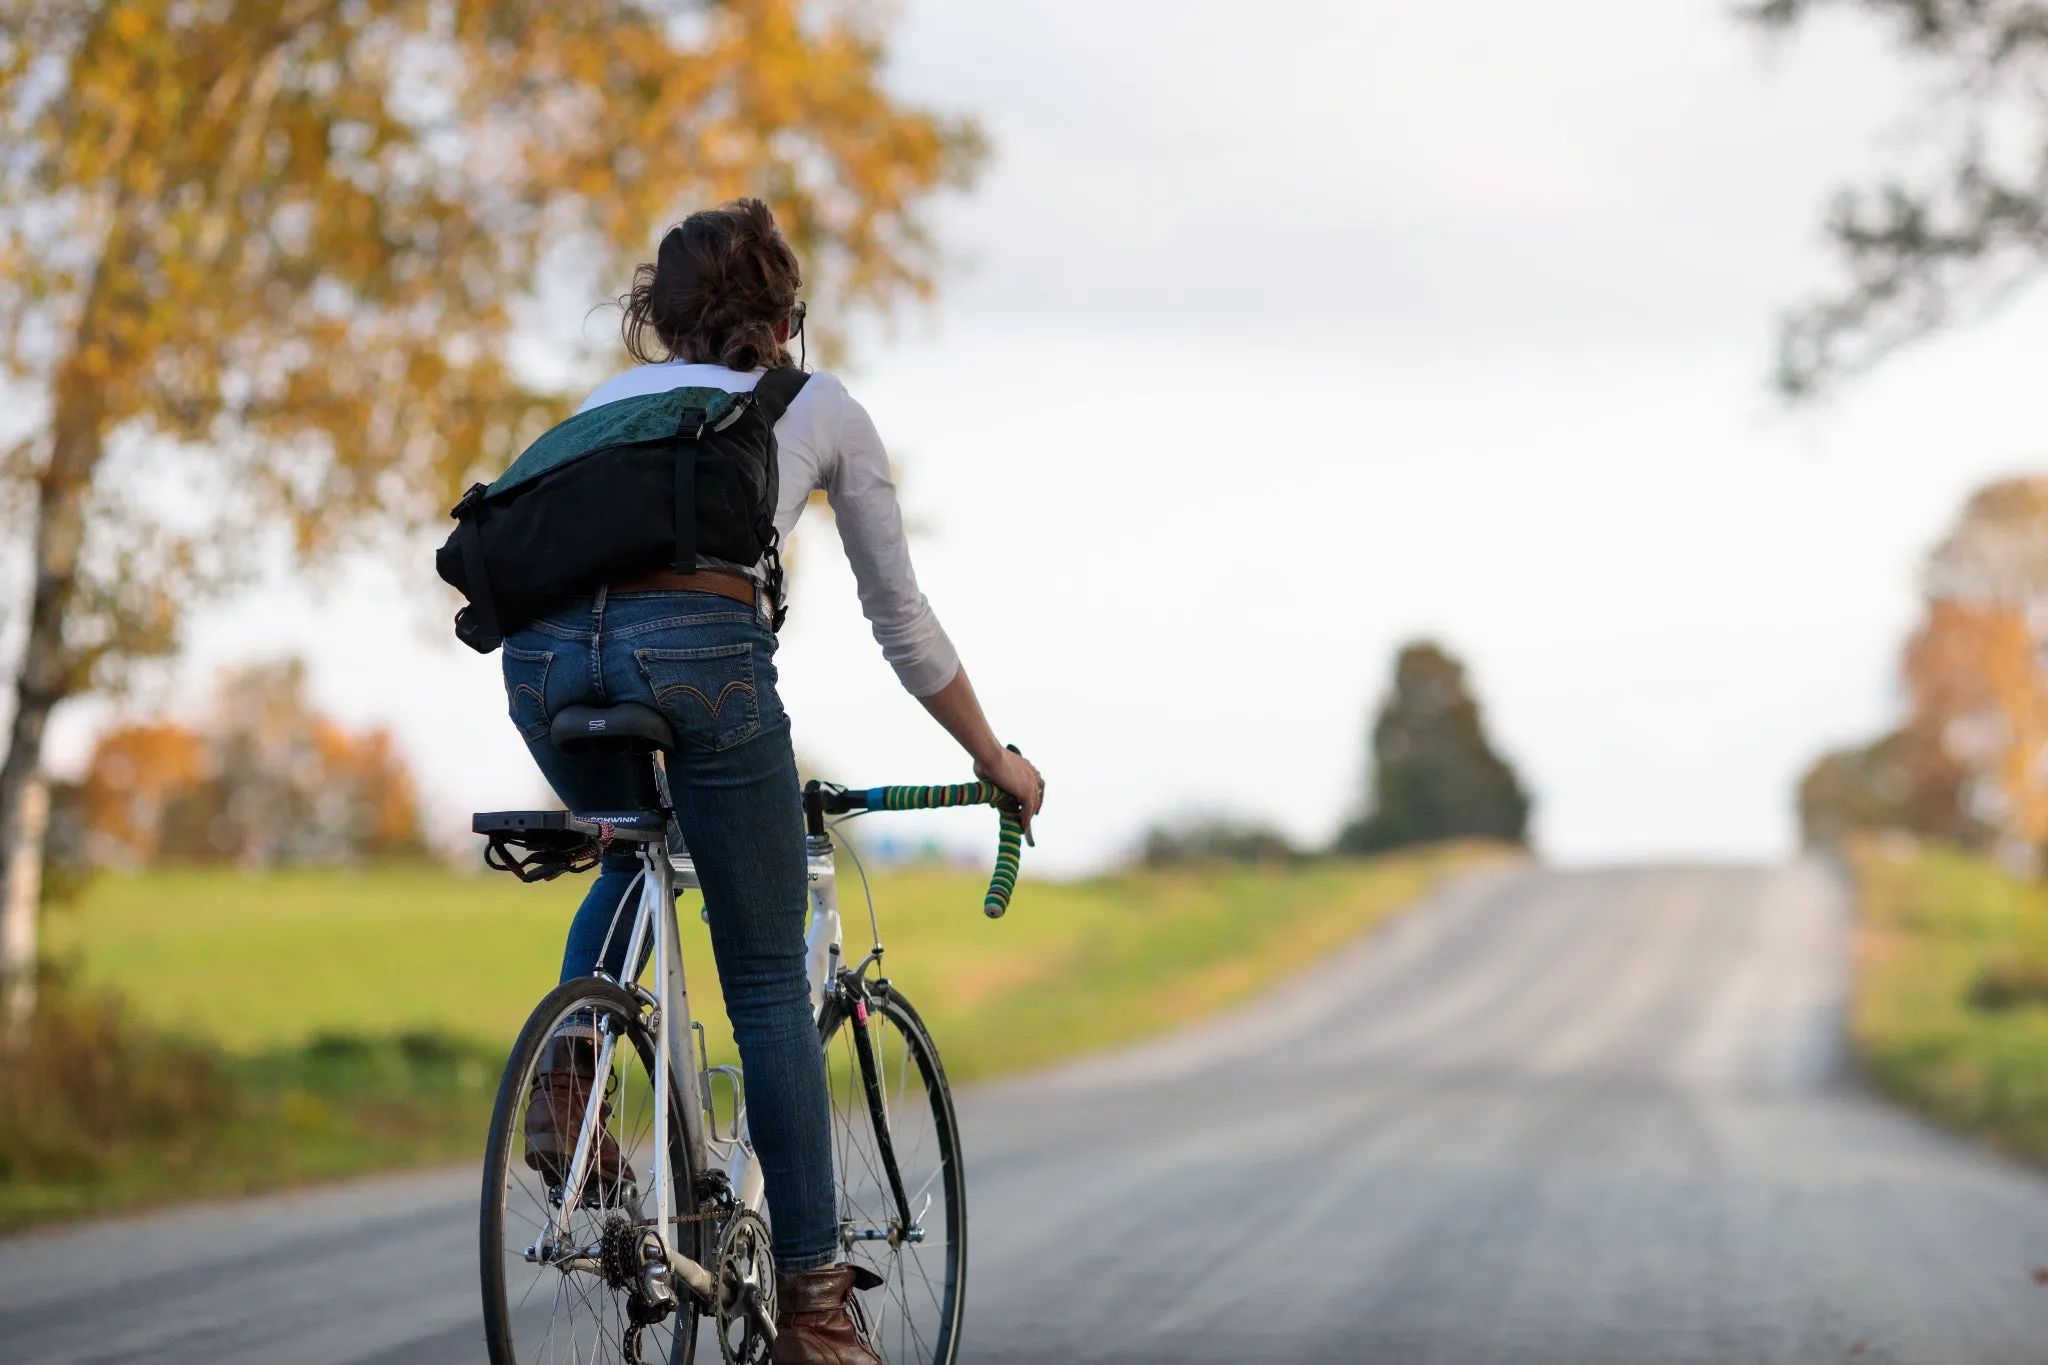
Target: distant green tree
{"x": 1434, "y": 775}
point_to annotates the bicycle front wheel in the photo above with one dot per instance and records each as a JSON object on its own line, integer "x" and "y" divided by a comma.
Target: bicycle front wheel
{"x": 561, "y": 1287}
{"x": 896, "y": 1151}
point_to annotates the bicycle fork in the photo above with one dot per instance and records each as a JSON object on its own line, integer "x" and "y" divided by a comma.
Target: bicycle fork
{"x": 823, "y": 953}
{"x": 909, "y": 1226}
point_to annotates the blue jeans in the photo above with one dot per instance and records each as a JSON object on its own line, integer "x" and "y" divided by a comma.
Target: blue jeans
{"x": 708, "y": 664}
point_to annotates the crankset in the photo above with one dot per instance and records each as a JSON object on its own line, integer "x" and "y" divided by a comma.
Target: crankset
{"x": 745, "y": 1270}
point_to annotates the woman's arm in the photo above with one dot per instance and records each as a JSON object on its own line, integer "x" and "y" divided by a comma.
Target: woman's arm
{"x": 857, "y": 480}
{"x": 853, "y": 469}
{"x": 957, "y": 708}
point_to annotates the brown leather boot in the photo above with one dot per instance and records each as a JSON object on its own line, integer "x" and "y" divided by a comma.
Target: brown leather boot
{"x": 554, "y": 1115}
{"x": 817, "y": 1321}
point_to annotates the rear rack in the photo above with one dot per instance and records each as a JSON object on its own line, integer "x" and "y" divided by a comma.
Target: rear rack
{"x": 556, "y": 841}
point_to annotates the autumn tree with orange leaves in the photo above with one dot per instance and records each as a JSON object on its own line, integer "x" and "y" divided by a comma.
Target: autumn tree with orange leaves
{"x": 1970, "y": 764}
{"x": 266, "y": 779}
{"x": 1974, "y": 673}
{"x": 259, "y": 259}
{"x": 137, "y": 780}
{"x": 1920, "y": 251}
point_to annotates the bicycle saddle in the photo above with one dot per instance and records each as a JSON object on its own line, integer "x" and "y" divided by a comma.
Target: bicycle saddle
{"x": 627, "y": 728}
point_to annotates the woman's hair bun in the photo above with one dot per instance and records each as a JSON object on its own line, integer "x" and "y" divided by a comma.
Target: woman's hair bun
{"x": 720, "y": 282}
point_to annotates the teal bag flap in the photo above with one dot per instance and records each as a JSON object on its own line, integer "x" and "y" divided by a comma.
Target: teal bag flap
{"x": 630, "y": 421}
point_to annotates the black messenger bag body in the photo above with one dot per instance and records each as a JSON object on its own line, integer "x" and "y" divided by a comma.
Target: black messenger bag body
{"x": 621, "y": 490}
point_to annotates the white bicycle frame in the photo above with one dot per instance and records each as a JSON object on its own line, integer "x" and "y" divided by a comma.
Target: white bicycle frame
{"x": 655, "y": 915}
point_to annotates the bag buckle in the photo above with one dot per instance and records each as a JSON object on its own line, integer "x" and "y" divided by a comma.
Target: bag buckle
{"x": 690, "y": 423}
{"x": 775, "y": 590}
{"x": 470, "y": 498}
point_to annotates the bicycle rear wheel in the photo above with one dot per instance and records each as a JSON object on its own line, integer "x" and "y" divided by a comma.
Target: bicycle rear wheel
{"x": 555, "y": 1291}
{"x": 915, "y": 1315}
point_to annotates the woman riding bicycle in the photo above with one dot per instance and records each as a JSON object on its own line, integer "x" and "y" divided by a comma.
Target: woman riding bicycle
{"x": 716, "y": 309}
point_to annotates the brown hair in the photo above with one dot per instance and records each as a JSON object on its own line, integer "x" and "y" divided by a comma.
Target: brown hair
{"x": 719, "y": 283}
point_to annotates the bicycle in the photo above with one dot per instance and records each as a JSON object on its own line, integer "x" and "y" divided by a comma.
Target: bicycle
{"x": 667, "y": 1233}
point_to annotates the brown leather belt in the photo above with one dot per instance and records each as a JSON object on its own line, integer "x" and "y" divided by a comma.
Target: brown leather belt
{"x": 732, "y": 585}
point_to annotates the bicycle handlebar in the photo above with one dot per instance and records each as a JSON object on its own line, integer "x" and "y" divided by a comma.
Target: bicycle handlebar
{"x": 827, "y": 799}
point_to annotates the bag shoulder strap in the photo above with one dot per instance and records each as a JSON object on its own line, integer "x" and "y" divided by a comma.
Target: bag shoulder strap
{"x": 686, "y": 507}
{"x": 777, "y": 390}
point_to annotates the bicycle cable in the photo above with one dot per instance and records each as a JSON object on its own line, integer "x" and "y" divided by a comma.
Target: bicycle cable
{"x": 874, "y": 924}
{"x": 628, "y": 972}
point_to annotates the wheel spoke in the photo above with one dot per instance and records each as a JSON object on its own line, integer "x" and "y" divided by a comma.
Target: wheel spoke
{"x": 585, "y": 1318}
{"x": 914, "y": 1312}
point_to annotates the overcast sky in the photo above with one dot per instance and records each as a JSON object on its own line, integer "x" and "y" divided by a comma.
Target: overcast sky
{"x": 1278, "y": 336}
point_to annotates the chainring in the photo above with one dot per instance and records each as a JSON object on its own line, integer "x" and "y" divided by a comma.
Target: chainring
{"x": 745, "y": 1271}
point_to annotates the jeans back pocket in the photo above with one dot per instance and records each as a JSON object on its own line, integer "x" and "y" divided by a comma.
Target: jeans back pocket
{"x": 708, "y": 694}
{"x": 526, "y": 689}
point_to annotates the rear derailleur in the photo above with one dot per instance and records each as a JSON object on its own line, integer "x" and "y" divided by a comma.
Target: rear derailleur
{"x": 635, "y": 1262}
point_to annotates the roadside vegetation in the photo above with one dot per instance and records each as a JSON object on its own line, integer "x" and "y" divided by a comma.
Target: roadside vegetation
{"x": 217, "y": 1032}
{"x": 101, "y": 1111}
{"x": 1944, "y": 819}
{"x": 1950, "y": 1013}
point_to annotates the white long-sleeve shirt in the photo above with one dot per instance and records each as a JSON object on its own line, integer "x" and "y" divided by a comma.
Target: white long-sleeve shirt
{"x": 827, "y": 441}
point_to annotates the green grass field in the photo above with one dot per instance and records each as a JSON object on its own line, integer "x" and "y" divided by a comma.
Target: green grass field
{"x": 260, "y": 963}
{"x": 336, "y": 1023}
{"x": 1950, "y": 1014}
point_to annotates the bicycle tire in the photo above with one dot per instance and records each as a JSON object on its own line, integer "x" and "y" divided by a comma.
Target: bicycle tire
{"x": 503, "y": 1165}
{"x": 924, "y": 1329}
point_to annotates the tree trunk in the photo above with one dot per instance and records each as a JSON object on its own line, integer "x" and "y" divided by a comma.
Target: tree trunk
{"x": 49, "y": 670}
{"x": 18, "y": 912}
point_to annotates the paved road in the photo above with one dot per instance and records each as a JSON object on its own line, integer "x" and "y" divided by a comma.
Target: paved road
{"x": 1568, "y": 1118}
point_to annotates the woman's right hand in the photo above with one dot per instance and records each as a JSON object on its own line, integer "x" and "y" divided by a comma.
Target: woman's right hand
{"x": 1018, "y": 776}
